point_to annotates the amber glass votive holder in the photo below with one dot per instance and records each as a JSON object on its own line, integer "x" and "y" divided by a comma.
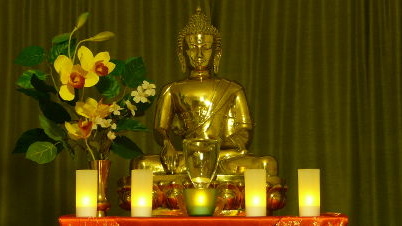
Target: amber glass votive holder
{"x": 200, "y": 201}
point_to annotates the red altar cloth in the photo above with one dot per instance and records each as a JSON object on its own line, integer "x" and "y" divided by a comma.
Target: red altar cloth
{"x": 323, "y": 220}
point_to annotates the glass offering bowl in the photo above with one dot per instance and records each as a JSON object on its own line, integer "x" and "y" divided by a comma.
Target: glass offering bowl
{"x": 201, "y": 157}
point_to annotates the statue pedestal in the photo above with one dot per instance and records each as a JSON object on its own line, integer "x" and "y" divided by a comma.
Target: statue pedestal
{"x": 168, "y": 194}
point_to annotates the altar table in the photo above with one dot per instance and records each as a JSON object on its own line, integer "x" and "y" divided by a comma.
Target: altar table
{"x": 324, "y": 220}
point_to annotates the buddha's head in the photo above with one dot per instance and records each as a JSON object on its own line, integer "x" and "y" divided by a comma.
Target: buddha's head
{"x": 199, "y": 44}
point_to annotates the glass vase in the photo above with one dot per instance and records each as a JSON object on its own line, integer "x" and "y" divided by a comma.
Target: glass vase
{"x": 103, "y": 167}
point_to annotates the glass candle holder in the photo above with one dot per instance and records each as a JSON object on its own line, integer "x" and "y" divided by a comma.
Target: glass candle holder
{"x": 201, "y": 157}
{"x": 86, "y": 194}
{"x": 200, "y": 201}
{"x": 255, "y": 192}
{"x": 141, "y": 192}
{"x": 309, "y": 192}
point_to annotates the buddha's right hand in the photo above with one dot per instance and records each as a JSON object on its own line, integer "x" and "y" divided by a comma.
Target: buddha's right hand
{"x": 170, "y": 157}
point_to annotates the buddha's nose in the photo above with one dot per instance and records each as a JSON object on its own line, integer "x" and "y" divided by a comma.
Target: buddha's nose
{"x": 200, "y": 54}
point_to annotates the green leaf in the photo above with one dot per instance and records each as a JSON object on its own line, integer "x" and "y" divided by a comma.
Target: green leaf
{"x": 61, "y": 49}
{"x": 61, "y": 38}
{"x": 54, "y": 111}
{"x": 134, "y": 72}
{"x": 118, "y": 70}
{"x": 108, "y": 86}
{"x": 24, "y": 80}
{"x": 34, "y": 94}
{"x": 29, "y": 137}
{"x": 42, "y": 86}
{"x": 52, "y": 129}
{"x": 131, "y": 125}
{"x": 30, "y": 56}
{"x": 41, "y": 152}
{"x": 125, "y": 148}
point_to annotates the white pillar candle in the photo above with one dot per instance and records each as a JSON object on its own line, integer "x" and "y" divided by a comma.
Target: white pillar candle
{"x": 86, "y": 193}
{"x": 141, "y": 193}
{"x": 255, "y": 192}
{"x": 309, "y": 192}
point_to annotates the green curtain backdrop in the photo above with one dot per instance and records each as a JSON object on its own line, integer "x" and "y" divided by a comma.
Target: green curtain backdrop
{"x": 323, "y": 80}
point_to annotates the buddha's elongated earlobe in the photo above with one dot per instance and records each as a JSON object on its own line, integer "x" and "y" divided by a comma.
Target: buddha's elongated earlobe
{"x": 182, "y": 63}
{"x": 217, "y": 59}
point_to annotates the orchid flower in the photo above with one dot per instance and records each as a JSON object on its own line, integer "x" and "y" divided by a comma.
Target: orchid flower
{"x": 80, "y": 130}
{"x": 72, "y": 77}
{"x": 92, "y": 109}
{"x": 99, "y": 65}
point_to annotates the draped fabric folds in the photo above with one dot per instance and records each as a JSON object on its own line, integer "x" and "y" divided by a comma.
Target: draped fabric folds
{"x": 322, "y": 78}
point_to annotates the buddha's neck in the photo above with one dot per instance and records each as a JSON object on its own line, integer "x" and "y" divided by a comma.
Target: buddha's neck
{"x": 195, "y": 74}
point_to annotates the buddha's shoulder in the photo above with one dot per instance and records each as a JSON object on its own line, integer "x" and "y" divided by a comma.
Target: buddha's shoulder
{"x": 216, "y": 80}
{"x": 221, "y": 83}
{"x": 173, "y": 85}
{"x": 229, "y": 84}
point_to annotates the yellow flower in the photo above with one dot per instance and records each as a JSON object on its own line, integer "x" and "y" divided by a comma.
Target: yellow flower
{"x": 72, "y": 77}
{"x": 80, "y": 130}
{"x": 91, "y": 109}
{"x": 98, "y": 65}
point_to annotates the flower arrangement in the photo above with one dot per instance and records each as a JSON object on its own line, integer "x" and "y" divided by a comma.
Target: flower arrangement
{"x": 88, "y": 101}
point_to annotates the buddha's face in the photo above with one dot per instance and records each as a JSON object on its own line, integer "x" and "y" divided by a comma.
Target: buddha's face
{"x": 199, "y": 50}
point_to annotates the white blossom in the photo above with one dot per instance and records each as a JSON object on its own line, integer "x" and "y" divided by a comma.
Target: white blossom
{"x": 131, "y": 107}
{"x": 115, "y": 108}
{"x": 149, "y": 88}
{"x": 147, "y": 85}
{"x": 111, "y": 135}
{"x": 150, "y": 92}
{"x": 139, "y": 95}
{"x": 104, "y": 123}
{"x": 94, "y": 125}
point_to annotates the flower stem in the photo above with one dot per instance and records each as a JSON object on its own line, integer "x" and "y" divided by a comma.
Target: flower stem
{"x": 82, "y": 94}
{"x": 51, "y": 76}
{"x": 69, "y": 43}
{"x": 75, "y": 50}
{"x": 90, "y": 150}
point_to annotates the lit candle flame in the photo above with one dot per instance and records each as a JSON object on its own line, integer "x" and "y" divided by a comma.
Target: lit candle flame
{"x": 256, "y": 200}
{"x": 200, "y": 198}
{"x": 86, "y": 201}
{"x": 309, "y": 200}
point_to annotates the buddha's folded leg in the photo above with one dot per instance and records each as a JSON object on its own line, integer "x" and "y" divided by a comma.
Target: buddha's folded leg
{"x": 238, "y": 164}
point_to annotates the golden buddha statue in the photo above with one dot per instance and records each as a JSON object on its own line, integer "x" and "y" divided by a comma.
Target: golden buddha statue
{"x": 203, "y": 106}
